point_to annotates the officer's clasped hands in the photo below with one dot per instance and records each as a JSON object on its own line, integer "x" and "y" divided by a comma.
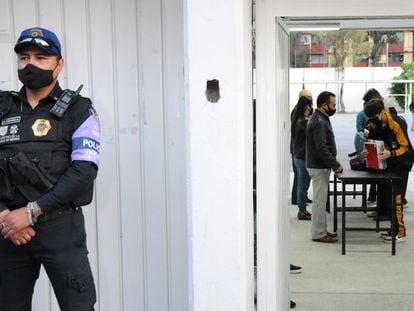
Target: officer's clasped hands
{"x": 14, "y": 225}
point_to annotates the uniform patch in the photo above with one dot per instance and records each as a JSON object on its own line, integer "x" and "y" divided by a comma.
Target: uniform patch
{"x": 12, "y": 120}
{"x": 14, "y": 129}
{"x": 3, "y": 130}
{"x": 41, "y": 127}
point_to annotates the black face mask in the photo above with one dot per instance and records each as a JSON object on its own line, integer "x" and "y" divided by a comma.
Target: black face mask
{"x": 330, "y": 112}
{"x": 376, "y": 121}
{"x": 35, "y": 78}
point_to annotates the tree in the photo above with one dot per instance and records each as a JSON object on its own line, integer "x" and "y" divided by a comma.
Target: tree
{"x": 399, "y": 88}
{"x": 299, "y": 52}
{"x": 380, "y": 40}
{"x": 344, "y": 46}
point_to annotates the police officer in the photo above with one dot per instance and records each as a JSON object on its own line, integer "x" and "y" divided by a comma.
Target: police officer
{"x": 48, "y": 163}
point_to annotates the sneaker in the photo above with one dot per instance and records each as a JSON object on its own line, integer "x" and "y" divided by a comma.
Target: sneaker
{"x": 308, "y": 200}
{"x": 295, "y": 269}
{"x": 304, "y": 216}
{"x": 371, "y": 203}
{"x": 371, "y": 213}
{"x": 386, "y": 234}
{"x": 397, "y": 238}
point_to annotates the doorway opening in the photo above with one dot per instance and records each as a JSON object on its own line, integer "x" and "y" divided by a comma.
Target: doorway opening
{"x": 304, "y": 78}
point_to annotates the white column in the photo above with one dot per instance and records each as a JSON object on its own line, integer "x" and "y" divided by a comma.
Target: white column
{"x": 218, "y": 43}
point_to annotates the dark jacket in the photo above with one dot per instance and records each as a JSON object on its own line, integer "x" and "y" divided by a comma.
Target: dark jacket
{"x": 291, "y": 136}
{"x": 299, "y": 141}
{"x": 320, "y": 143}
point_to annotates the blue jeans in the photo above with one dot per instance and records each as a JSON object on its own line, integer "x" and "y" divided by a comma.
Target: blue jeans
{"x": 303, "y": 183}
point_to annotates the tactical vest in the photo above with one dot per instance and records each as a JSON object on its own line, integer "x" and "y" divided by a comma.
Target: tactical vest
{"x": 44, "y": 139}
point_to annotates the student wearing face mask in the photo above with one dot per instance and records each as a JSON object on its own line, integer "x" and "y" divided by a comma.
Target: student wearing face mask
{"x": 303, "y": 111}
{"x": 361, "y": 125}
{"x": 48, "y": 163}
{"x": 398, "y": 153}
{"x": 320, "y": 160}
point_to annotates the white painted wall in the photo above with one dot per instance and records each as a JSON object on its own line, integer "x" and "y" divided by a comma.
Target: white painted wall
{"x": 129, "y": 54}
{"x": 220, "y": 149}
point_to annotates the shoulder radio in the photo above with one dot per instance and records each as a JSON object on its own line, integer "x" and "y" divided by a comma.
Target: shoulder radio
{"x": 64, "y": 101}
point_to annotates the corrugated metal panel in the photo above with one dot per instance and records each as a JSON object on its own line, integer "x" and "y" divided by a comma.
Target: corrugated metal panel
{"x": 129, "y": 56}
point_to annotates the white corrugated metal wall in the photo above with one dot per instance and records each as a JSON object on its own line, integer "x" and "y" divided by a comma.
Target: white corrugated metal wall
{"x": 129, "y": 56}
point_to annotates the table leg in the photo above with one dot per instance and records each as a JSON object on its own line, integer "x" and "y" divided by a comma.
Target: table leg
{"x": 335, "y": 218}
{"x": 343, "y": 220}
{"x": 393, "y": 218}
{"x": 364, "y": 197}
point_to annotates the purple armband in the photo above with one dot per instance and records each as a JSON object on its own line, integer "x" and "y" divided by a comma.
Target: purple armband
{"x": 86, "y": 141}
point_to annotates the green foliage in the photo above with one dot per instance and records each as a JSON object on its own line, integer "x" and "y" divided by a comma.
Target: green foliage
{"x": 399, "y": 88}
{"x": 379, "y": 47}
{"x": 343, "y": 48}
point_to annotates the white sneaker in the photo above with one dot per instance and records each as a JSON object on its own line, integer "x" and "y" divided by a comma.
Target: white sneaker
{"x": 398, "y": 239}
{"x": 371, "y": 203}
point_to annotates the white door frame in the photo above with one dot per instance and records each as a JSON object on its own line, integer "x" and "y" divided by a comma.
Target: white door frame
{"x": 272, "y": 111}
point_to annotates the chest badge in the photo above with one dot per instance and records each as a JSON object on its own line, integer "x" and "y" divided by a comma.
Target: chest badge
{"x": 41, "y": 127}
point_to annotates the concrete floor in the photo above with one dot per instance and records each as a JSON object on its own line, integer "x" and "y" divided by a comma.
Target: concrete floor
{"x": 367, "y": 278}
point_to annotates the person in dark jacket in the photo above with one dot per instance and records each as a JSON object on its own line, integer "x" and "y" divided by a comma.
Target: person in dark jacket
{"x": 300, "y": 118}
{"x": 320, "y": 160}
{"x": 293, "y": 197}
{"x": 361, "y": 125}
{"x": 49, "y": 159}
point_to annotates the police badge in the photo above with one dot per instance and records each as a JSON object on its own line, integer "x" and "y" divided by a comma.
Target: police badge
{"x": 41, "y": 127}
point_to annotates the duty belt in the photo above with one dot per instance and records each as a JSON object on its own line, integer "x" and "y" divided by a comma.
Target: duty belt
{"x": 58, "y": 212}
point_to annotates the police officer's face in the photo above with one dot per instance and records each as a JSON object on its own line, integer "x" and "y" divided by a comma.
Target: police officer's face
{"x": 37, "y": 57}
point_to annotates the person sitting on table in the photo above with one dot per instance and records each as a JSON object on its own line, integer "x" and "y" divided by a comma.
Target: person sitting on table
{"x": 391, "y": 129}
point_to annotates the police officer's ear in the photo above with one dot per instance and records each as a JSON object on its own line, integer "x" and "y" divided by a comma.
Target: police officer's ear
{"x": 60, "y": 64}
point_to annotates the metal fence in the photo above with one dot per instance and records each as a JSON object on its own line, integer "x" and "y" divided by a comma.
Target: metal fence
{"x": 384, "y": 87}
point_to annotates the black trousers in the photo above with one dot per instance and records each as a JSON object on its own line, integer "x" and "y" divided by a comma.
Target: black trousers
{"x": 60, "y": 246}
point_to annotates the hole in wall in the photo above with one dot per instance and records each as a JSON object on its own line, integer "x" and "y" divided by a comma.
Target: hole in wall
{"x": 213, "y": 91}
